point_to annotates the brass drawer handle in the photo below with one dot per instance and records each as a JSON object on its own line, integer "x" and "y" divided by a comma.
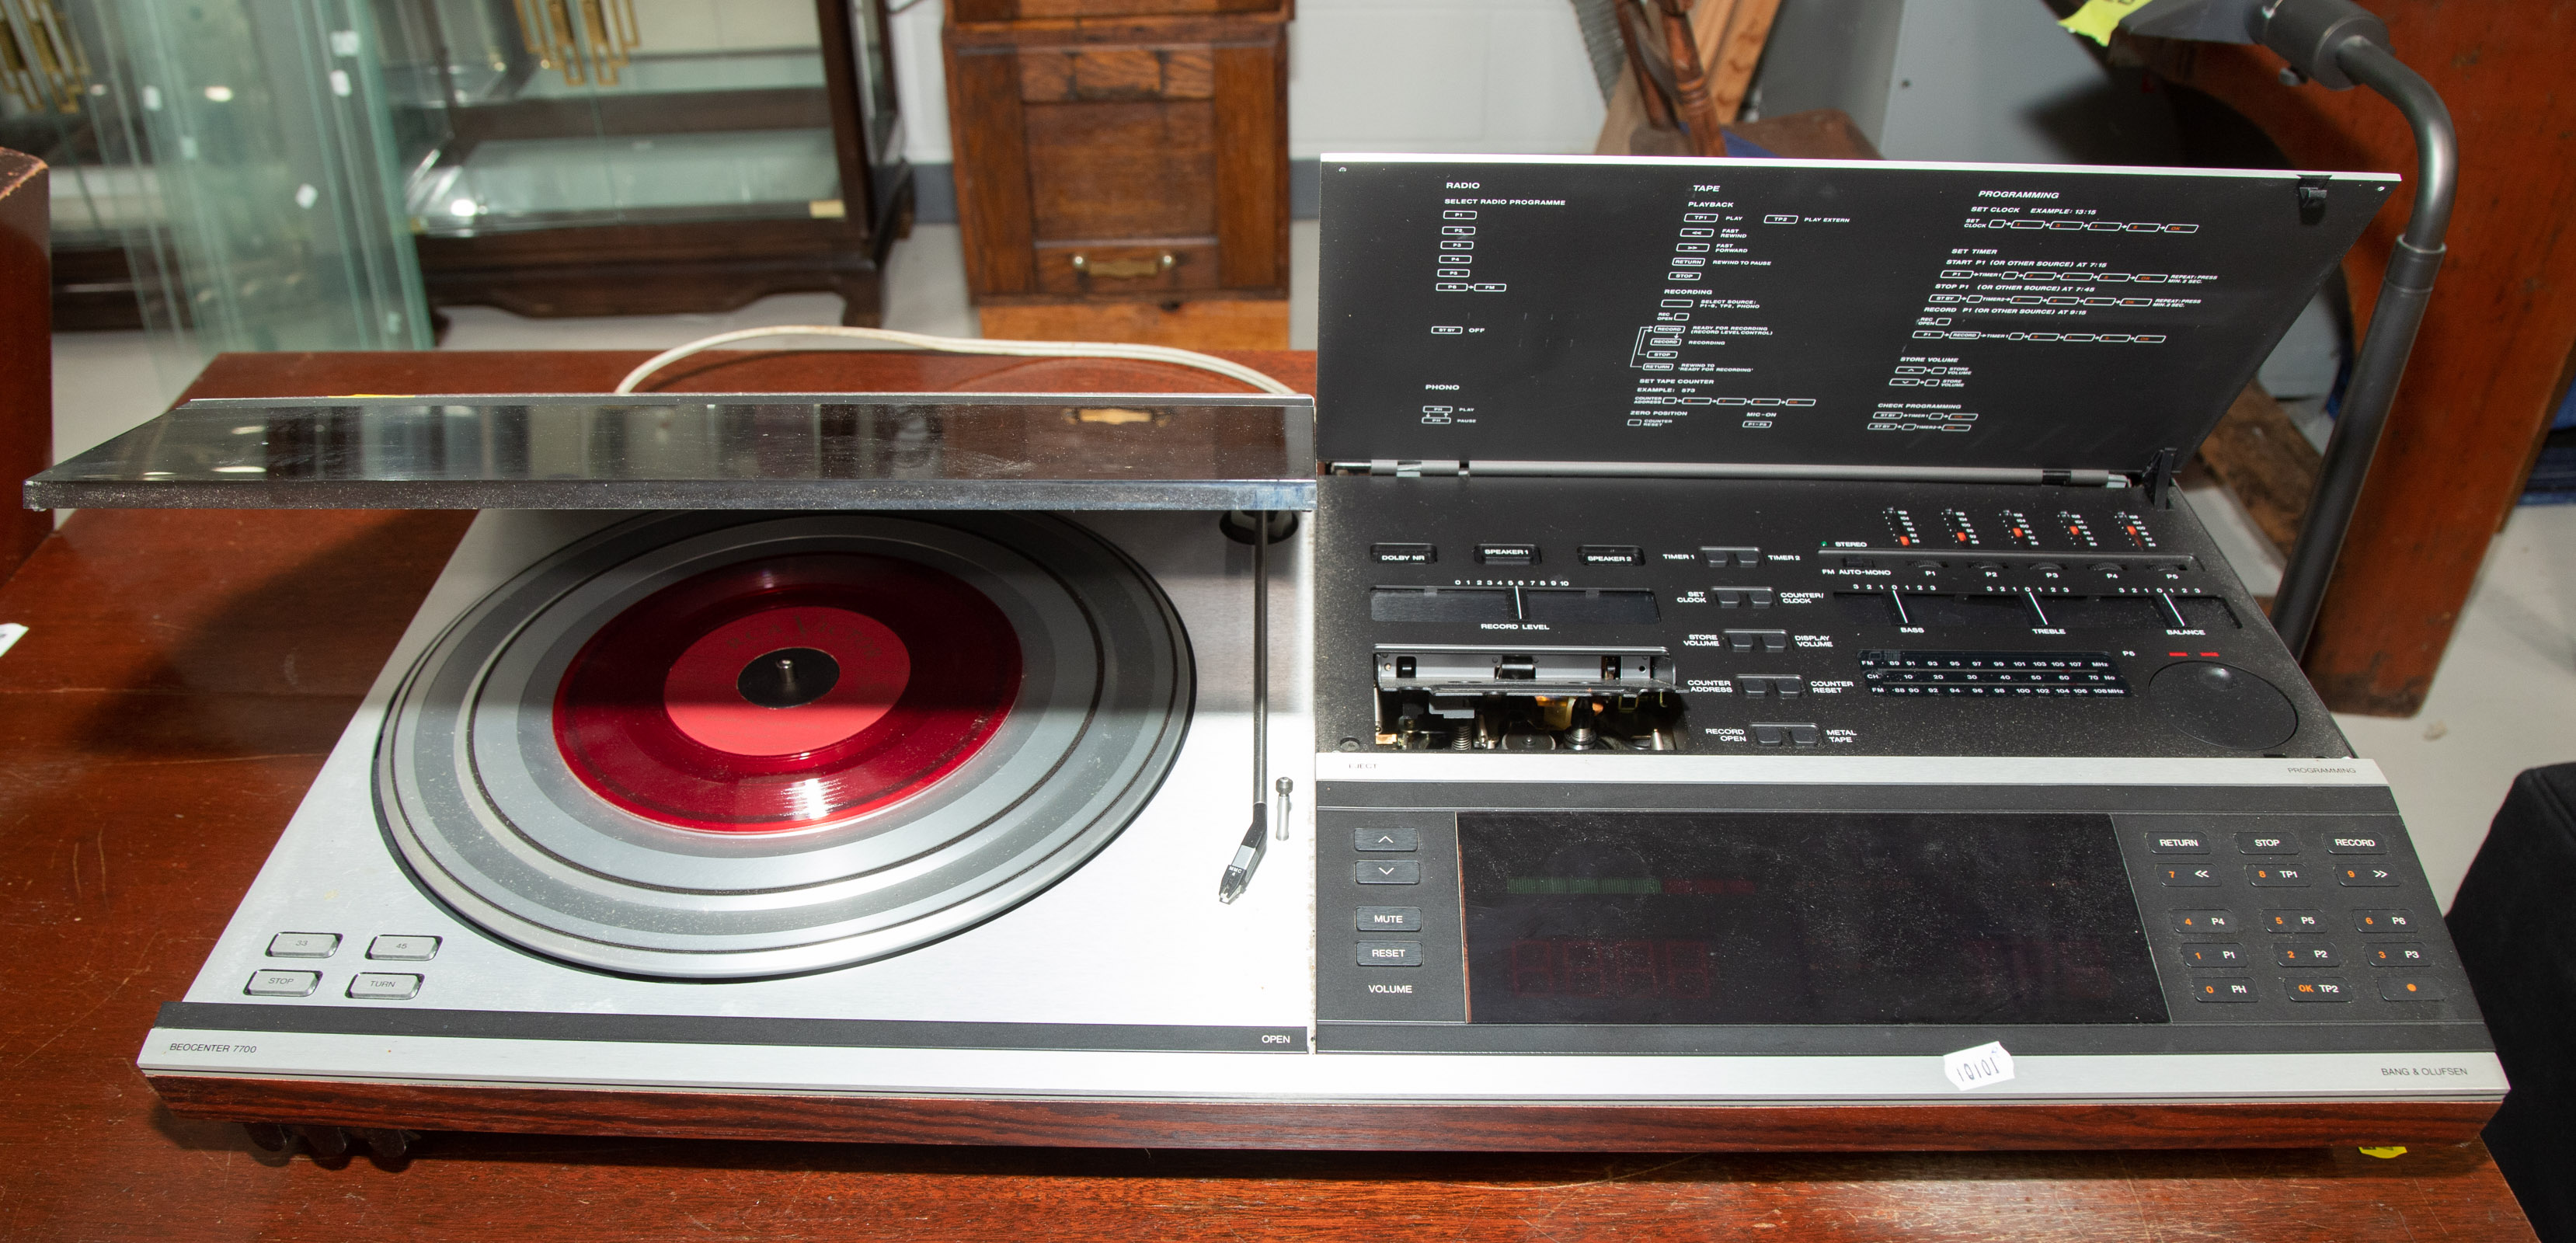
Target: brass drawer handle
{"x": 1124, "y": 269}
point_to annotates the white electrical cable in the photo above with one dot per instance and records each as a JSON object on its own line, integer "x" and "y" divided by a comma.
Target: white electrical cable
{"x": 967, "y": 345}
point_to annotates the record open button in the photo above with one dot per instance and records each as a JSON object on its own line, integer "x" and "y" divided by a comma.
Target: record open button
{"x": 384, "y": 986}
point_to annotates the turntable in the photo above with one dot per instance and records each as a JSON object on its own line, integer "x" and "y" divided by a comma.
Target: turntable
{"x": 1763, "y": 694}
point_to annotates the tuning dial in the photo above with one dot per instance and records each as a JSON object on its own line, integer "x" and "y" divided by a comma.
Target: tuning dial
{"x": 2223, "y": 705}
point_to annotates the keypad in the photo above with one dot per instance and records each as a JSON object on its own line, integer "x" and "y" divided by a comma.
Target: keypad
{"x": 2323, "y": 954}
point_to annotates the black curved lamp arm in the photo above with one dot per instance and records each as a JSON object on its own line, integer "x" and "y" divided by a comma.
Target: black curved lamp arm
{"x": 2381, "y": 362}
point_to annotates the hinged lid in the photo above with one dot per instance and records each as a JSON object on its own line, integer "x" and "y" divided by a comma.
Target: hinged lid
{"x": 706, "y": 451}
{"x": 1826, "y": 313}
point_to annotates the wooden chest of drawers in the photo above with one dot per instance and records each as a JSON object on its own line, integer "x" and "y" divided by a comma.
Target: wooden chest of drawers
{"x": 1123, "y": 177}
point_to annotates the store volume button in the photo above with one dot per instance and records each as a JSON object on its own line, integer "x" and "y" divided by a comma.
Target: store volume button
{"x": 1388, "y": 871}
{"x": 2188, "y": 877}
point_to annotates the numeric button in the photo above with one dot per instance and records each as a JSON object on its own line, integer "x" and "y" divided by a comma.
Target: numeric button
{"x": 2384, "y": 921}
{"x": 2187, "y": 876}
{"x": 2215, "y": 956}
{"x": 2204, "y": 921}
{"x": 2365, "y": 876}
{"x": 2223, "y": 991}
{"x": 2319, "y": 990}
{"x": 2274, "y": 876}
{"x": 2394, "y": 954}
{"x": 2306, "y": 954}
{"x": 2294, "y": 921}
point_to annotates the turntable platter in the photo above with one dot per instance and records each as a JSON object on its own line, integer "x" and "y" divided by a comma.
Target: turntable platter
{"x": 712, "y": 746}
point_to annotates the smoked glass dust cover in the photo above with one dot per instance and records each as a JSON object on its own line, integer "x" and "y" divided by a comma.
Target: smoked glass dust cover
{"x": 1562, "y": 308}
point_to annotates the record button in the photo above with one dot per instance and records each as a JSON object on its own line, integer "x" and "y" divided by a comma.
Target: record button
{"x": 1390, "y": 919}
{"x": 1388, "y": 871}
{"x": 1386, "y": 839}
{"x": 2395, "y": 954}
{"x": 283, "y": 983}
{"x": 384, "y": 986}
{"x": 2204, "y": 921}
{"x": 2408, "y": 988}
{"x": 1403, "y": 554}
{"x": 2178, "y": 843}
{"x": 403, "y": 948}
{"x": 1390, "y": 953}
{"x": 304, "y": 945}
{"x": 2384, "y": 921}
{"x": 2356, "y": 844}
{"x": 2223, "y": 990}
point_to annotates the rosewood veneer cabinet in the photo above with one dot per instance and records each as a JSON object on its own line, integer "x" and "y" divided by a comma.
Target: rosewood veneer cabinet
{"x": 1122, "y": 168}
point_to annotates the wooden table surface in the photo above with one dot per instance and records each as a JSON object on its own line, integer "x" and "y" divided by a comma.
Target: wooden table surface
{"x": 187, "y": 671}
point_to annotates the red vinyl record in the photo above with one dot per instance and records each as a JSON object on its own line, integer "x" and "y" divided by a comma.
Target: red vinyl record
{"x": 787, "y": 692}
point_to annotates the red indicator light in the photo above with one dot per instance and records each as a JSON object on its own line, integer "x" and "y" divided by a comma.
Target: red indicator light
{"x": 2211, "y": 655}
{"x": 2177, "y": 653}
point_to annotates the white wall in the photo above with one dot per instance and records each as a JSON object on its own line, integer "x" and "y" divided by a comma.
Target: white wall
{"x": 1369, "y": 75}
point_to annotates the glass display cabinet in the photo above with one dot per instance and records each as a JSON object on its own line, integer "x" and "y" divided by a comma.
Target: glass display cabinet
{"x": 604, "y": 157}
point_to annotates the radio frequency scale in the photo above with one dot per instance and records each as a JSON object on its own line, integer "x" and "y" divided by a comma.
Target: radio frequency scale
{"x": 1762, "y": 693}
